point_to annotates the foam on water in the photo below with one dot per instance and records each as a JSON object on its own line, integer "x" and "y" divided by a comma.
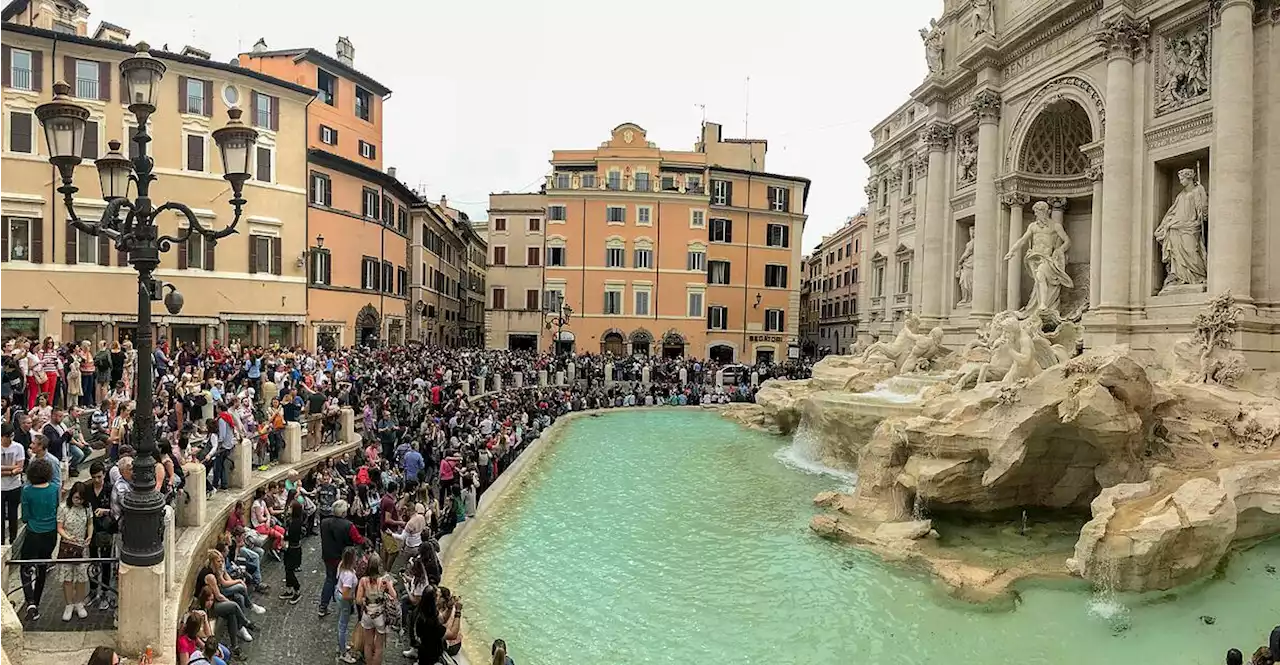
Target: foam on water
{"x": 802, "y": 456}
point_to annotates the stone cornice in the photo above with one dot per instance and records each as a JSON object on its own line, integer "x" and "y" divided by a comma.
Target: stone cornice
{"x": 1181, "y": 130}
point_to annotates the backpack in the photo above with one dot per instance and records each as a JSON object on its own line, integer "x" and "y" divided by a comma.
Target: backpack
{"x": 362, "y": 476}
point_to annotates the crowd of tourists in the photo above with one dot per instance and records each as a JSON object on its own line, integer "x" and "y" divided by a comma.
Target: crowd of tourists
{"x": 1268, "y": 654}
{"x": 431, "y": 449}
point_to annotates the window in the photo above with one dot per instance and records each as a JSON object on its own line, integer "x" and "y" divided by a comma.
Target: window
{"x": 262, "y": 167}
{"x": 499, "y": 255}
{"x": 908, "y": 184}
{"x": 884, "y": 193}
{"x": 370, "y": 202}
{"x": 321, "y": 191}
{"x": 562, "y": 181}
{"x": 499, "y": 297}
{"x": 370, "y": 273}
{"x": 21, "y": 75}
{"x": 589, "y": 181}
{"x": 718, "y": 317}
{"x": 556, "y": 213}
{"x": 616, "y": 215}
{"x": 132, "y": 132}
{"x": 721, "y": 192}
{"x": 531, "y": 299}
{"x": 388, "y": 211}
{"x": 773, "y": 320}
{"x": 230, "y": 94}
{"x": 90, "y": 148}
{"x": 697, "y": 260}
{"x": 718, "y": 272}
{"x": 368, "y": 150}
{"x": 644, "y": 258}
{"x": 697, "y": 219}
{"x": 778, "y": 235}
{"x": 534, "y": 256}
{"x": 387, "y": 276}
{"x": 402, "y": 220}
{"x": 195, "y": 152}
{"x": 780, "y": 199}
{"x": 721, "y": 230}
{"x": 262, "y": 254}
{"x": 642, "y": 303}
{"x": 614, "y": 180}
{"x": 500, "y": 224}
{"x": 695, "y": 303}
{"x": 612, "y": 302}
{"x": 904, "y": 276}
{"x": 87, "y": 79}
{"x": 555, "y": 256}
{"x": 877, "y": 286}
{"x": 86, "y": 247}
{"x": 667, "y": 183}
{"x": 196, "y": 249}
{"x": 615, "y": 257}
{"x": 64, "y": 27}
{"x": 195, "y": 96}
{"x": 552, "y": 299}
{"x": 263, "y": 111}
{"x": 848, "y": 249}
{"x": 643, "y": 215}
{"x": 775, "y": 276}
{"x": 328, "y": 135}
{"x": 364, "y": 104}
{"x": 321, "y": 266}
{"x": 327, "y": 84}
{"x": 693, "y": 184}
{"x": 20, "y": 136}
{"x": 535, "y": 225}
{"x": 853, "y": 276}
{"x": 642, "y": 182}
{"x": 402, "y": 282}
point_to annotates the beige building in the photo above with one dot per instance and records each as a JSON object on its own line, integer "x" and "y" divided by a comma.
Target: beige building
{"x": 1132, "y": 143}
{"x": 63, "y": 283}
{"x": 517, "y": 226}
{"x": 445, "y": 286}
{"x": 836, "y": 285}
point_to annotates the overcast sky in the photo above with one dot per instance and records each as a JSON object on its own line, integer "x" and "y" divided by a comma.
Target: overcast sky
{"x": 484, "y": 90}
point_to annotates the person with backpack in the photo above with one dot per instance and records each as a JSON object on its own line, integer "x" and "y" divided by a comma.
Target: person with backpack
{"x": 337, "y": 533}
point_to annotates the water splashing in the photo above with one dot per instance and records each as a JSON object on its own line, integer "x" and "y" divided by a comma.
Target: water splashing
{"x": 1024, "y": 524}
{"x": 802, "y": 455}
{"x": 919, "y": 508}
{"x": 1105, "y": 603}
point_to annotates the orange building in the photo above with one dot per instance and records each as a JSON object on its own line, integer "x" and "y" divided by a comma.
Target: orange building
{"x": 692, "y": 253}
{"x": 357, "y": 214}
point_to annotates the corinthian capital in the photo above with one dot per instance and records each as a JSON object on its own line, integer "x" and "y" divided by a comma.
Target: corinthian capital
{"x": 1124, "y": 36}
{"x": 1093, "y": 173}
{"x": 937, "y": 135}
{"x": 895, "y": 178}
{"x": 1014, "y": 199}
{"x": 986, "y": 105}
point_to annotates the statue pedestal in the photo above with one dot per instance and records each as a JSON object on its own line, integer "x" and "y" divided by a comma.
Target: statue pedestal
{"x": 347, "y": 419}
{"x": 292, "y": 451}
{"x": 1178, "y": 289}
{"x": 242, "y": 456}
{"x": 192, "y": 511}
{"x": 542, "y": 378}
{"x": 560, "y": 378}
{"x": 519, "y": 379}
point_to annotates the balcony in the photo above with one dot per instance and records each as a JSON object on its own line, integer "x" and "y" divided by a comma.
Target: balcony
{"x": 20, "y": 78}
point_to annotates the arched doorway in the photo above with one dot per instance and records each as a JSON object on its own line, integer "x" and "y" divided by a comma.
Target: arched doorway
{"x": 1052, "y": 144}
{"x": 612, "y": 342}
{"x": 367, "y": 325}
{"x": 673, "y": 344}
{"x": 721, "y": 353}
{"x": 564, "y": 340}
{"x": 641, "y": 341}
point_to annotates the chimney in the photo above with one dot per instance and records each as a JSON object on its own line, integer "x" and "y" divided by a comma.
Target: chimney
{"x": 346, "y": 52}
{"x": 391, "y": 171}
{"x": 444, "y": 201}
{"x": 194, "y": 52}
{"x": 260, "y": 45}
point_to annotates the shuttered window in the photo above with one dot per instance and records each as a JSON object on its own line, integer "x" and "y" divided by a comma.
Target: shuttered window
{"x": 321, "y": 190}
{"x": 20, "y": 134}
{"x": 195, "y": 152}
{"x": 263, "y": 164}
{"x": 499, "y": 298}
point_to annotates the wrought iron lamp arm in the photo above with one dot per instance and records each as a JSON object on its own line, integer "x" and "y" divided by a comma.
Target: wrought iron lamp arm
{"x": 106, "y": 226}
{"x": 194, "y": 225}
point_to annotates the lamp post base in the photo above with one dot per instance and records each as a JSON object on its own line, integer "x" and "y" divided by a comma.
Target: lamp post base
{"x": 141, "y": 613}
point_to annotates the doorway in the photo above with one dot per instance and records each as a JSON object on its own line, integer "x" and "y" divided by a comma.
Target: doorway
{"x": 721, "y": 353}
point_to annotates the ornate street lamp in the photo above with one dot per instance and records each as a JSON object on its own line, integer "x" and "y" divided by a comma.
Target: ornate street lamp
{"x": 131, "y": 225}
{"x": 559, "y": 313}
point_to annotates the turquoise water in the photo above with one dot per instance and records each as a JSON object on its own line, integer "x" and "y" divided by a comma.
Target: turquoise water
{"x": 674, "y": 536}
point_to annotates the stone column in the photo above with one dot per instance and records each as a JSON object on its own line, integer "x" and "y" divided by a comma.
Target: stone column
{"x": 1095, "y": 235}
{"x": 1123, "y": 36}
{"x": 644, "y": 375}
{"x": 608, "y": 374}
{"x": 560, "y": 378}
{"x": 891, "y": 277}
{"x": 1057, "y": 208}
{"x": 519, "y": 379}
{"x": 573, "y": 372}
{"x": 192, "y": 512}
{"x": 986, "y": 105}
{"x": 269, "y": 390}
{"x": 140, "y": 616}
{"x": 865, "y": 271}
{"x": 347, "y": 421}
{"x": 542, "y": 378}
{"x": 170, "y": 540}
{"x": 936, "y": 136}
{"x": 1231, "y": 198}
{"x": 755, "y": 378}
{"x": 1013, "y": 296}
{"x": 242, "y": 455}
{"x": 292, "y": 451}
{"x": 684, "y": 376}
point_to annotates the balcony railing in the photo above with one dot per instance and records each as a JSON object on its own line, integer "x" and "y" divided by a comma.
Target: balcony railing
{"x": 21, "y": 78}
{"x": 86, "y": 88}
{"x": 195, "y": 104}
{"x": 563, "y": 181}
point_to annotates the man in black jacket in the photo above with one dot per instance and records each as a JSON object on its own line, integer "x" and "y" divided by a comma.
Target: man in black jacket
{"x": 61, "y": 443}
{"x": 337, "y": 533}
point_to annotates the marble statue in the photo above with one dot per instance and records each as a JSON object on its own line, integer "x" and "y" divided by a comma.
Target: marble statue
{"x": 923, "y": 350}
{"x": 964, "y": 271}
{"x": 932, "y": 37}
{"x": 967, "y": 159}
{"x": 1181, "y": 233}
{"x": 983, "y": 18}
{"x": 1045, "y": 259}
{"x": 1214, "y": 341}
{"x": 897, "y": 350}
{"x": 1186, "y": 68}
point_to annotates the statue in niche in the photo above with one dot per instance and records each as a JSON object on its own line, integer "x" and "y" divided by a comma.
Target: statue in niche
{"x": 932, "y": 37}
{"x": 964, "y": 271}
{"x": 1045, "y": 259}
{"x": 1186, "y": 68}
{"x": 983, "y": 18}
{"x": 1181, "y": 233}
{"x": 967, "y": 158}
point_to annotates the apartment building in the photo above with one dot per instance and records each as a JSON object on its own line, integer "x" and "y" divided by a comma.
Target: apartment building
{"x": 440, "y": 260}
{"x": 473, "y": 314}
{"x": 516, "y": 232}
{"x": 675, "y": 252}
{"x": 358, "y": 228}
{"x": 836, "y": 280}
{"x": 810, "y": 297}
{"x": 66, "y": 284}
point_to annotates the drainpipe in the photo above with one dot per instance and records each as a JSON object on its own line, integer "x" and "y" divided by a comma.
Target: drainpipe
{"x": 746, "y": 283}
{"x": 657, "y": 263}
